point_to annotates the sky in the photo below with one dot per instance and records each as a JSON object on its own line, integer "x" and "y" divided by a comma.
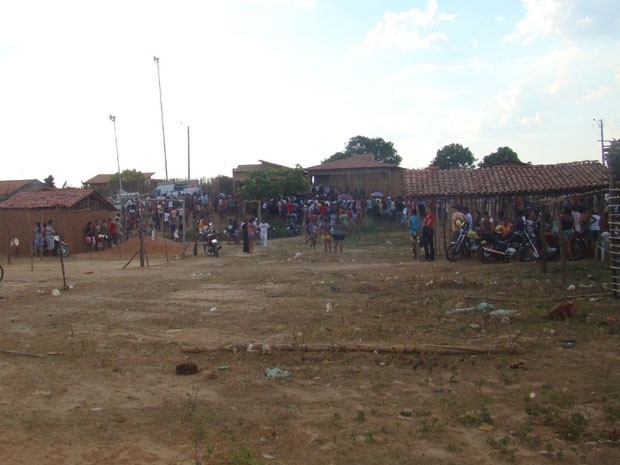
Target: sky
{"x": 291, "y": 81}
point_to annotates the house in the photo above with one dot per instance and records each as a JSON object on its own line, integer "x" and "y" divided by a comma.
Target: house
{"x": 70, "y": 209}
{"x": 240, "y": 172}
{"x": 12, "y": 187}
{"x": 101, "y": 183}
{"x": 359, "y": 175}
{"x": 504, "y": 189}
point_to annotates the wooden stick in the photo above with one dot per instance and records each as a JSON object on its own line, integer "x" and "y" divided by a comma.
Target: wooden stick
{"x": 25, "y": 354}
{"x": 355, "y": 347}
{"x": 549, "y": 299}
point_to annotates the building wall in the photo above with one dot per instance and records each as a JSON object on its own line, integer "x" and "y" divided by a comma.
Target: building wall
{"x": 388, "y": 182}
{"x": 20, "y": 224}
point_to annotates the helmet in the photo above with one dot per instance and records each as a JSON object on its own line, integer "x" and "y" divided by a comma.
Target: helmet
{"x": 498, "y": 229}
{"x": 459, "y": 223}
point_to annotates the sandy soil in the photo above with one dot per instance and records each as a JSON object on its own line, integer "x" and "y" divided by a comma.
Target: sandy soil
{"x": 89, "y": 376}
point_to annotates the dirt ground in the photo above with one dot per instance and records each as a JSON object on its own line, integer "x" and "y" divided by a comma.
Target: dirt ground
{"x": 89, "y": 376}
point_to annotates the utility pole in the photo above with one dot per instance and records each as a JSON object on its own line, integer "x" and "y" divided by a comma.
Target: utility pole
{"x": 600, "y": 125}
{"x": 188, "y": 159}
{"x": 161, "y": 109}
{"x": 118, "y": 163}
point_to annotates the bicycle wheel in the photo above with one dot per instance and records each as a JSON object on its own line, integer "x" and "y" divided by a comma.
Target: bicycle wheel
{"x": 1, "y": 272}
{"x": 454, "y": 252}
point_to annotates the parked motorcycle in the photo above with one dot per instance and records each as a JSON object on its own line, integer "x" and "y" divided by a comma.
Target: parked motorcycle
{"x": 519, "y": 244}
{"x": 61, "y": 248}
{"x": 578, "y": 245}
{"x": 292, "y": 229}
{"x": 466, "y": 243}
{"x": 209, "y": 238}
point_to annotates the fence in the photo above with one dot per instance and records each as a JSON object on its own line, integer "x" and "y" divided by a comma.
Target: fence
{"x": 613, "y": 220}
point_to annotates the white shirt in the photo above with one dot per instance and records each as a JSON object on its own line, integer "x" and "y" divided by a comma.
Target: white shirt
{"x": 263, "y": 227}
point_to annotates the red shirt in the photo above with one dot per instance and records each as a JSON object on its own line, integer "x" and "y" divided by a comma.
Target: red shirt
{"x": 429, "y": 221}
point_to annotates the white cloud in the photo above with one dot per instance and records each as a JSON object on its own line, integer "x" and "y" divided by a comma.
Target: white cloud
{"x": 503, "y": 106}
{"x": 531, "y": 120}
{"x": 596, "y": 94}
{"x": 405, "y": 30}
{"x": 540, "y": 21}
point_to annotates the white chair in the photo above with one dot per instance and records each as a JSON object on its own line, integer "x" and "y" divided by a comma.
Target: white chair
{"x": 603, "y": 245}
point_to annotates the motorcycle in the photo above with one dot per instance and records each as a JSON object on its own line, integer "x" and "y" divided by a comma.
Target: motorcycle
{"x": 578, "y": 245}
{"x": 209, "y": 238}
{"x": 519, "y": 244}
{"x": 61, "y": 248}
{"x": 292, "y": 229}
{"x": 466, "y": 243}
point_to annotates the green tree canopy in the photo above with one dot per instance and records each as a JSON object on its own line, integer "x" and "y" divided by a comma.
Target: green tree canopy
{"x": 49, "y": 181}
{"x": 501, "y": 155}
{"x": 359, "y": 145}
{"x": 218, "y": 185}
{"x": 453, "y": 156}
{"x": 127, "y": 176}
{"x": 272, "y": 182}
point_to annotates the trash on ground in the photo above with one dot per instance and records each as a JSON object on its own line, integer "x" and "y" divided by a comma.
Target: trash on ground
{"x": 484, "y": 307}
{"x": 562, "y": 310}
{"x": 276, "y": 373}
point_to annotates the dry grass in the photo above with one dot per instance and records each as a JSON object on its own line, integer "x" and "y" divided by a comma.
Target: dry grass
{"x": 106, "y": 389}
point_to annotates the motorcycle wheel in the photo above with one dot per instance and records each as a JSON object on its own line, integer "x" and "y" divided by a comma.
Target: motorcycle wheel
{"x": 528, "y": 254}
{"x": 210, "y": 251}
{"x": 485, "y": 256}
{"x": 576, "y": 250}
{"x": 454, "y": 252}
{"x": 63, "y": 250}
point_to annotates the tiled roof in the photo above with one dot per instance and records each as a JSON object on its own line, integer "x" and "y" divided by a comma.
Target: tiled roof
{"x": 352, "y": 162}
{"x": 6, "y": 187}
{"x": 503, "y": 180}
{"x": 52, "y": 198}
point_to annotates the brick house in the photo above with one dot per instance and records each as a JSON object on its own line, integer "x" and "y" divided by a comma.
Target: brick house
{"x": 359, "y": 175}
{"x": 70, "y": 209}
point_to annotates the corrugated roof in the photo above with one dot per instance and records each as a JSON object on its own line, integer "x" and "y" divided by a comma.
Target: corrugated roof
{"x": 352, "y": 162}
{"x": 504, "y": 180}
{"x": 53, "y": 198}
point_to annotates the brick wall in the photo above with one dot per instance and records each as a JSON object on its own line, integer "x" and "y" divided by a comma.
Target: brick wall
{"x": 21, "y": 223}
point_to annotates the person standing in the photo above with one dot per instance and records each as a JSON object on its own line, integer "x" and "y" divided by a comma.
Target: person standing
{"x": 50, "y": 232}
{"x": 251, "y": 234}
{"x": 245, "y": 238}
{"x": 428, "y": 235}
{"x": 338, "y": 234}
{"x": 325, "y": 229}
{"x": 414, "y": 229}
{"x": 263, "y": 229}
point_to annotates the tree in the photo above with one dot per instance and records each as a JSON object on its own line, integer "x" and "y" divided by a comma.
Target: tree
{"x": 127, "y": 176}
{"x": 501, "y": 155}
{"x": 218, "y": 185}
{"x": 49, "y": 181}
{"x": 453, "y": 156}
{"x": 359, "y": 145}
{"x": 272, "y": 182}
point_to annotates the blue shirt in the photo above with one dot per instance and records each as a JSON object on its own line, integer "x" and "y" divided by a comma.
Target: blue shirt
{"x": 414, "y": 224}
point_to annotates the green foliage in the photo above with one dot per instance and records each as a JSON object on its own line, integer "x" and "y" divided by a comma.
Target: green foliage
{"x": 501, "y": 155}
{"x": 218, "y": 185}
{"x": 453, "y": 156}
{"x": 272, "y": 182}
{"x": 49, "y": 181}
{"x": 359, "y": 145}
{"x": 127, "y": 176}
